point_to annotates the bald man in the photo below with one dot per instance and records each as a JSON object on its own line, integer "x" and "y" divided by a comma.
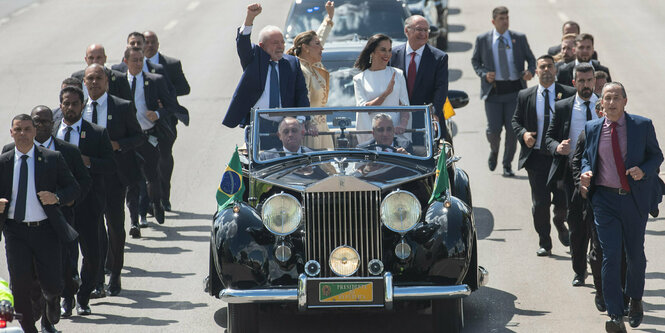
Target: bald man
{"x": 118, "y": 85}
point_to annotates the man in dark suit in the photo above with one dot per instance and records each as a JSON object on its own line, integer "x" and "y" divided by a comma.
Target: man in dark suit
{"x": 68, "y": 82}
{"x": 97, "y": 154}
{"x": 583, "y": 54}
{"x": 498, "y": 59}
{"x": 34, "y": 181}
{"x": 384, "y": 139}
{"x": 570, "y": 116}
{"x": 620, "y": 170}
{"x": 118, "y": 116}
{"x": 270, "y": 78}
{"x": 532, "y": 117}
{"x": 118, "y": 86}
{"x": 425, "y": 69}
{"x": 568, "y": 28}
{"x": 290, "y": 132}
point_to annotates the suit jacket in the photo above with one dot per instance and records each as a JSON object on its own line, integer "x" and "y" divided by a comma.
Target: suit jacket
{"x": 152, "y": 68}
{"x": 483, "y": 59}
{"x": 123, "y": 127}
{"x": 643, "y": 152}
{"x": 155, "y": 88}
{"x": 118, "y": 85}
{"x": 279, "y": 152}
{"x": 525, "y": 118}
{"x": 51, "y": 174}
{"x": 558, "y": 131}
{"x": 72, "y": 157}
{"x": 565, "y": 73}
{"x": 431, "y": 79}
{"x": 255, "y": 65}
{"x": 556, "y": 49}
{"x": 174, "y": 72}
{"x": 408, "y": 147}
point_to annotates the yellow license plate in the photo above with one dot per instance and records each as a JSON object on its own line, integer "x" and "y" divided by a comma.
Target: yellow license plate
{"x": 331, "y": 292}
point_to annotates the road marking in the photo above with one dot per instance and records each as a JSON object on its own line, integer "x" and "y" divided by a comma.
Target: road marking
{"x": 170, "y": 25}
{"x": 192, "y": 5}
{"x": 562, "y": 16}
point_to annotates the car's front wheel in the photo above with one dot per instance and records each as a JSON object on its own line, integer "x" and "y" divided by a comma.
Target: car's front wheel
{"x": 447, "y": 315}
{"x": 242, "y": 318}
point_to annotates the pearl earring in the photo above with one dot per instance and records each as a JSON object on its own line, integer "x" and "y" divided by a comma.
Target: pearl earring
{"x": 370, "y": 59}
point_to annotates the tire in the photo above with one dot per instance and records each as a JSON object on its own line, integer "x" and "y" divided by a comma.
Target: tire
{"x": 242, "y": 318}
{"x": 447, "y": 315}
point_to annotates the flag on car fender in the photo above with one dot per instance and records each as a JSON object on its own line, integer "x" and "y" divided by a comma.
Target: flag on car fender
{"x": 448, "y": 110}
{"x": 441, "y": 182}
{"x": 231, "y": 187}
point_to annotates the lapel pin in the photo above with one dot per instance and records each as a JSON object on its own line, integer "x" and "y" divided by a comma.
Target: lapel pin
{"x": 152, "y": 70}
{"x": 146, "y": 83}
{"x": 112, "y": 78}
{"x": 110, "y": 117}
{"x": 558, "y": 96}
{"x": 39, "y": 158}
{"x": 83, "y": 135}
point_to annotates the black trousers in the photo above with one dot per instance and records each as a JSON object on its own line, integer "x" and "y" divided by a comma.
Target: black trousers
{"x": 86, "y": 224}
{"x": 150, "y": 157}
{"x": 112, "y": 235}
{"x": 32, "y": 251}
{"x": 537, "y": 168}
{"x": 166, "y": 161}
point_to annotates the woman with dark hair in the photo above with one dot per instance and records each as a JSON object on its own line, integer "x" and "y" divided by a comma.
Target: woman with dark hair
{"x": 308, "y": 47}
{"x": 380, "y": 85}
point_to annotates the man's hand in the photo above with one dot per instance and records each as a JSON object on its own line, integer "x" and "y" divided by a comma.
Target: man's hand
{"x": 86, "y": 160}
{"x": 530, "y": 139}
{"x": 330, "y": 8}
{"x": 585, "y": 179}
{"x": 6, "y": 310}
{"x": 115, "y": 145}
{"x": 253, "y": 11}
{"x": 527, "y": 75}
{"x": 401, "y": 150}
{"x": 635, "y": 172}
{"x": 47, "y": 198}
{"x": 3, "y": 204}
{"x": 563, "y": 148}
{"x": 152, "y": 116}
{"x": 584, "y": 191}
{"x": 490, "y": 77}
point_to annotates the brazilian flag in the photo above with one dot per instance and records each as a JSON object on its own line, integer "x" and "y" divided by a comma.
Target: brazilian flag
{"x": 231, "y": 187}
{"x": 441, "y": 182}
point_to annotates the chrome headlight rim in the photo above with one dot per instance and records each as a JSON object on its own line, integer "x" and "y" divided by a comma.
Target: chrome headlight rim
{"x": 419, "y": 211}
{"x": 330, "y": 264}
{"x": 264, "y": 219}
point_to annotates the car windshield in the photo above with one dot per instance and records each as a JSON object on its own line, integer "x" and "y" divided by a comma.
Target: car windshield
{"x": 281, "y": 133}
{"x": 353, "y": 18}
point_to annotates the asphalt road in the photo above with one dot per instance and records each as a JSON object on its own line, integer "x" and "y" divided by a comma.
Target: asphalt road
{"x": 162, "y": 280}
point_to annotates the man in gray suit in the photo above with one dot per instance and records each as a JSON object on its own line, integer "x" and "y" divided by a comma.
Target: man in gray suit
{"x": 498, "y": 59}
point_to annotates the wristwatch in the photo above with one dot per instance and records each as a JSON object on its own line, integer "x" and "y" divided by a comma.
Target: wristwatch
{"x": 57, "y": 199}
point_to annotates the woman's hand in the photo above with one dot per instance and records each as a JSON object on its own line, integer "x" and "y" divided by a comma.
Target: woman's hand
{"x": 391, "y": 85}
{"x": 330, "y": 9}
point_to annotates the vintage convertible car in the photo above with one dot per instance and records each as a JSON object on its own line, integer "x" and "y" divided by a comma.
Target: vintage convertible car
{"x": 345, "y": 226}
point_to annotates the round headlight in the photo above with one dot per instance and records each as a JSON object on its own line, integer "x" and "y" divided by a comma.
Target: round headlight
{"x": 400, "y": 211}
{"x": 344, "y": 261}
{"x": 281, "y": 214}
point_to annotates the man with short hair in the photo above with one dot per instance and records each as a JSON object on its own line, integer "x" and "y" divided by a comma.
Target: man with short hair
{"x": 68, "y": 82}
{"x": 568, "y": 28}
{"x": 567, "y": 53}
{"x": 383, "y": 133}
{"x": 290, "y": 132}
{"x": 601, "y": 79}
{"x": 498, "y": 59}
{"x": 136, "y": 39}
{"x": 583, "y": 54}
{"x": 95, "y": 54}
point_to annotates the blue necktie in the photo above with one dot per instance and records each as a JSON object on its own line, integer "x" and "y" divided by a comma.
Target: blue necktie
{"x": 274, "y": 86}
{"x": 21, "y": 196}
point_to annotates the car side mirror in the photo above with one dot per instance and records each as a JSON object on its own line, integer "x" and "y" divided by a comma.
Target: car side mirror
{"x": 458, "y": 99}
{"x": 433, "y": 31}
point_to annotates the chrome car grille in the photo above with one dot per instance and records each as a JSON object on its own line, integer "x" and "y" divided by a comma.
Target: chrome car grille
{"x": 343, "y": 218}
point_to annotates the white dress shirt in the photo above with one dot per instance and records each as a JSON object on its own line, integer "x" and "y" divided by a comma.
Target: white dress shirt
{"x": 509, "y": 56}
{"x": 154, "y": 59}
{"x": 48, "y": 144}
{"x": 299, "y": 151}
{"x": 140, "y": 103}
{"x": 578, "y": 119}
{"x": 74, "y": 136}
{"x": 540, "y": 111}
{"x": 407, "y": 57}
{"x": 102, "y": 113}
{"x": 34, "y": 211}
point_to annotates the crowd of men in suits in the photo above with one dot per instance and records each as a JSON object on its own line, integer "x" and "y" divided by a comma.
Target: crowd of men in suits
{"x": 71, "y": 170}
{"x": 585, "y": 156}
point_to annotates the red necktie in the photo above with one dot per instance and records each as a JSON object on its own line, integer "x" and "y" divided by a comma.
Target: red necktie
{"x": 411, "y": 74}
{"x": 618, "y": 158}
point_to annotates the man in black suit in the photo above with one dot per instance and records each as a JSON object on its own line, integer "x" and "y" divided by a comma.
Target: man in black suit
{"x": 570, "y": 116}
{"x": 583, "y": 54}
{"x": 568, "y": 28}
{"x": 118, "y": 86}
{"x": 425, "y": 69}
{"x": 97, "y": 153}
{"x": 34, "y": 181}
{"x": 136, "y": 39}
{"x": 290, "y": 132}
{"x": 532, "y": 117}
{"x": 118, "y": 117}
{"x": 383, "y": 133}
{"x": 68, "y": 82}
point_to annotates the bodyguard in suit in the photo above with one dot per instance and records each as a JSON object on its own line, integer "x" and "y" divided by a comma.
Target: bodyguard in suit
{"x": 568, "y": 28}
{"x": 383, "y": 133}
{"x": 570, "y": 116}
{"x": 619, "y": 170}
{"x": 290, "y": 133}
{"x": 498, "y": 59}
{"x": 425, "y": 69}
{"x": 34, "y": 181}
{"x": 583, "y": 54}
{"x": 118, "y": 116}
{"x": 270, "y": 78}
{"x": 68, "y": 82}
{"x": 118, "y": 86}
{"x": 532, "y": 117}
{"x": 97, "y": 154}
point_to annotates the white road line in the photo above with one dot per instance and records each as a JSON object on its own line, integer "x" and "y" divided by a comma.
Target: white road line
{"x": 192, "y": 5}
{"x": 562, "y": 16}
{"x": 170, "y": 25}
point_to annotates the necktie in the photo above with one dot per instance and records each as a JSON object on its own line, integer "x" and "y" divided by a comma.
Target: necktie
{"x": 411, "y": 74}
{"x": 503, "y": 60}
{"x": 94, "y": 112}
{"x": 133, "y": 88}
{"x": 19, "y": 211}
{"x": 274, "y": 86}
{"x": 588, "y": 110}
{"x": 618, "y": 158}
{"x": 68, "y": 135}
{"x": 546, "y": 115}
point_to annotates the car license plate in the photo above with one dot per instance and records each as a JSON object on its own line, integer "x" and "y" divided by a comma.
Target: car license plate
{"x": 346, "y": 292}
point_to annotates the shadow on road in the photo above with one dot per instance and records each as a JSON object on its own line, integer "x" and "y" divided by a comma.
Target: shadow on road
{"x": 134, "y": 271}
{"x": 454, "y": 11}
{"x": 144, "y": 299}
{"x": 456, "y": 28}
{"x": 176, "y": 214}
{"x": 109, "y": 319}
{"x": 174, "y": 233}
{"x": 491, "y": 310}
{"x": 484, "y": 222}
{"x": 454, "y": 75}
{"x": 134, "y": 247}
{"x": 458, "y": 46}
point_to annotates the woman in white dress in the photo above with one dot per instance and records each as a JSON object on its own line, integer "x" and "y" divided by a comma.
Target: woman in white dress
{"x": 380, "y": 85}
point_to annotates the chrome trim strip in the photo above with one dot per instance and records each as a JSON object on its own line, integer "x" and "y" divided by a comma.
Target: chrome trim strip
{"x": 388, "y": 300}
{"x": 302, "y": 292}
{"x": 483, "y": 276}
{"x": 430, "y": 292}
{"x": 234, "y": 296}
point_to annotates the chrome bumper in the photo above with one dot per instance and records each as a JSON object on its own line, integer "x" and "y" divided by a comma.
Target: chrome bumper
{"x": 392, "y": 293}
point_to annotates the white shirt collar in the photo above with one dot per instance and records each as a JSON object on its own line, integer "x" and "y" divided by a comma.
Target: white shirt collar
{"x": 588, "y": 62}
{"x": 419, "y": 51}
{"x": 541, "y": 89}
{"x": 154, "y": 59}
{"x": 505, "y": 34}
{"x": 76, "y": 126}
{"x": 138, "y": 76}
{"x": 592, "y": 99}
{"x": 286, "y": 150}
{"x": 46, "y": 143}
{"x": 100, "y": 101}
{"x": 18, "y": 154}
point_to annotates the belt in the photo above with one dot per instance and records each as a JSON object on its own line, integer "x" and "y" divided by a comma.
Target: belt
{"x": 28, "y": 224}
{"x": 506, "y": 87}
{"x": 614, "y": 190}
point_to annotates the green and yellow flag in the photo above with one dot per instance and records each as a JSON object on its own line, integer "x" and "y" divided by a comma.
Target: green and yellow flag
{"x": 231, "y": 187}
{"x": 441, "y": 183}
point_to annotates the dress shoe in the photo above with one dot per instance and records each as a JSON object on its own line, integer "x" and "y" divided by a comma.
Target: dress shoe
{"x": 564, "y": 235}
{"x": 655, "y": 212}
{"x": 135, "y": 231}
{"x": 114, "y": 285}
{"x": 636, "y": 313}
{"x": 167, "y": 205}
{"x": 67, "y": 307}
{"x": 600, "y": 302}
{"x": 507, "y": 172}
{"x": 83, "y": 309}
{"x": 150, "y": 210}
{"x": 159, "y": 212}
{"x": 542, "y": 252}
{"x": 491, "y": 162}
{"x": 53, "y": 310}
{"x": 99, "y": 292}
{"x": 615, "y": 324}
{"x": 47, "y": 327}
{"x": 143, "y": 222}
{"x": 578, "y": 280}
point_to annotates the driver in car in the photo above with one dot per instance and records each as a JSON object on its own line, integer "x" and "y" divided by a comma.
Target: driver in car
{"x": 290, "y": 132}
{"x": 384, "y": 139}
